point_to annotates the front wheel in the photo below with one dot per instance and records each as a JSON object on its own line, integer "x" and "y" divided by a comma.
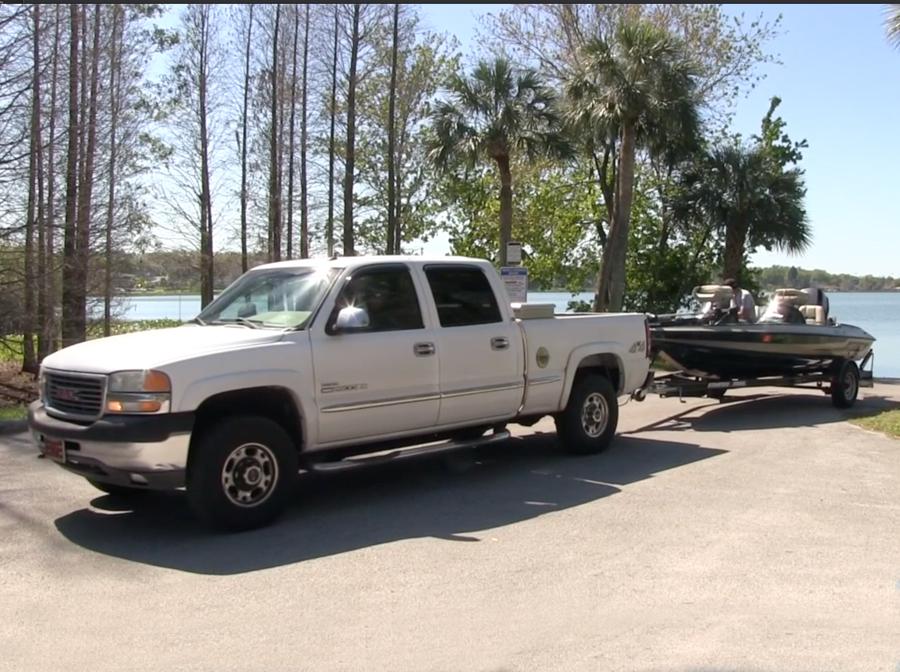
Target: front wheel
{"x": 240, "y": 473}
{"x": 845, "y": 385}
{"x": 588, "y": 423}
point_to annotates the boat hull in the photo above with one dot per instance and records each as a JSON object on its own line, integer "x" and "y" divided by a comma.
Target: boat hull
{"x": 758, "y": 350}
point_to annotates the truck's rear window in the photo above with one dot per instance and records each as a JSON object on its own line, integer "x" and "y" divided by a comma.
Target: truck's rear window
{"x": 463, "y": 296}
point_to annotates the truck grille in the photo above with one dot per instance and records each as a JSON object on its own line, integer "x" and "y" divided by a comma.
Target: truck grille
{"x": 74, "y": 395}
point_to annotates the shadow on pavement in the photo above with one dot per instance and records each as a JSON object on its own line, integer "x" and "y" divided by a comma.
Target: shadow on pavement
{"x": 766, "y": 411}
{"x": 448, "y": 498}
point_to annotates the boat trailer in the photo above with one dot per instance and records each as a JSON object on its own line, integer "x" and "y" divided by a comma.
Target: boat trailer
{"x": 683, "y": 384}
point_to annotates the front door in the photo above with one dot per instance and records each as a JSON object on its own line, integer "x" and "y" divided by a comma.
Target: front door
{"x": 382, "y": 378}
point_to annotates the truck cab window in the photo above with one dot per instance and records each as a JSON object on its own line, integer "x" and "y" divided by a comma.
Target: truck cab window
{"x": 388, "y": 296}
{"x": 463, "y": 296}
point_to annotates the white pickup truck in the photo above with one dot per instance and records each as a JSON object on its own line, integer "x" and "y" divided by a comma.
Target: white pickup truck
{"x": 308, "y": 364}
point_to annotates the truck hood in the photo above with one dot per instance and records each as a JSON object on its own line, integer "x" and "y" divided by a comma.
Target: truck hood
{"x": 156, "y": 348}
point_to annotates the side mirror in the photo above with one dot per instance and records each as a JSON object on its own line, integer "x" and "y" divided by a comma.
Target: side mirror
{"x": 350, "y": 318}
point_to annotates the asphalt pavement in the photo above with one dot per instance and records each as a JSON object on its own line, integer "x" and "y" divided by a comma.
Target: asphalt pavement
{"x": 758, "y": 534}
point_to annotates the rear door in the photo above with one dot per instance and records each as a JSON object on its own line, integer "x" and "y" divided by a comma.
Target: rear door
{"x": 480, "y": 352}
{"x": 381, "y": 379}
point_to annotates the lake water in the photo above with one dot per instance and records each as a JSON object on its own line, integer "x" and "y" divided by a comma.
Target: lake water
{"x": 876, "y": 312}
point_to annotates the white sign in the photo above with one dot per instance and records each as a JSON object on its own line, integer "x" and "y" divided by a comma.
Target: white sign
{"x": 513, "y": 253}
{"x": 515, "y": 279}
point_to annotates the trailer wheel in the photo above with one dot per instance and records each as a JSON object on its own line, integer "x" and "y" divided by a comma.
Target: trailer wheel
{"x": 240, "y": 473}
{"x": 845, "y": 385}
{"x": 588, "y": 423}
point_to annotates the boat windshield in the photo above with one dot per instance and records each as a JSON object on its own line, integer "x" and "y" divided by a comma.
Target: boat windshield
{"x": 279, "y": 298}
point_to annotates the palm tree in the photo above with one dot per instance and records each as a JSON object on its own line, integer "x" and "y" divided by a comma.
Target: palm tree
{"x": 497, "y": 112}
{"x": 753, "y": 201}
{"x": 634, "y": 87}
{"x": 892, "y": 24}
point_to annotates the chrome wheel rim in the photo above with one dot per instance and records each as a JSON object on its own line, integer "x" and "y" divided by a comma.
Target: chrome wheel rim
{"x": 249, "y": 475}
{"x": 594, "y": 415}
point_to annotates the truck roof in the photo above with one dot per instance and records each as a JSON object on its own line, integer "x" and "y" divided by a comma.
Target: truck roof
{"x": 350, "y": 262}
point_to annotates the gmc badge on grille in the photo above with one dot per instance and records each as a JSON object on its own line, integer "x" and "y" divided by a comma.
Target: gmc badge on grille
{"x": 66, "y": 394}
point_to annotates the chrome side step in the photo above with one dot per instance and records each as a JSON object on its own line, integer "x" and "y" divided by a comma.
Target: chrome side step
{"x": 392, "y": 455}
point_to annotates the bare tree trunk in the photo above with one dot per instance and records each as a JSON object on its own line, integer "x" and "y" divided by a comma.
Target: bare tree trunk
{"x": 329, "y": 223}
{"x": 274, "y": 192}
{"x": 304, "y": 194}
{"x": 398, "y": 189}
{"x": 50, "y": 326}
{"x": 29, "y": 359}
{"x": 111, "y": 198}
{"x": 42, "y": 261}
{"x": 70, "y": 262}
{"x": 505, "y": 205}
{"x": 206, "y": 224}
{"x": 391, "y": 157}
{"x": 351, "y": 137}
{"x": 290, "y": 216}
{"x": 282, "y": 101}
{"x": 735, "y": 237}
{"x": 86, "y": 188}
{"x": 611, "y": 289}
{"x": 244, "y": 263}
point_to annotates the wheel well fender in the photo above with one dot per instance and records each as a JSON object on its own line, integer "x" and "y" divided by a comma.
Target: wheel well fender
{"x": 599, "y": 358}
{"x": 276, "y": 403}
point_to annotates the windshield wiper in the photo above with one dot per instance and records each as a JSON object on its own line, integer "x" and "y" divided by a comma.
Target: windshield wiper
{"x": 197, "y": 320}
{"x": 247, "y": 323}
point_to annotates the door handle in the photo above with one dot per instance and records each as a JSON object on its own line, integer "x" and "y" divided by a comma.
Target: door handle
{"x": 423, "y": 349}
{"x": 499, "y": 343}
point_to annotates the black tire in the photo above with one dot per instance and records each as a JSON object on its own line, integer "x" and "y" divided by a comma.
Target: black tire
{"x": 588, "y": 423}
{"x": 119, "y": 491}
{"x": 241, "y": 472}
{"x": 717, "y": 394}
{"x": 845, "y": 385}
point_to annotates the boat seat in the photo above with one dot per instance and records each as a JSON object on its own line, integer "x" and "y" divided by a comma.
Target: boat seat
{"x": 718, "y": 295}
{"x": 813, "y": 314}
{"x": 795, "y": 297}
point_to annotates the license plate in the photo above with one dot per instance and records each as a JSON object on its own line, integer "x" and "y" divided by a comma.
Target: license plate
{"x": 54, "y": 449}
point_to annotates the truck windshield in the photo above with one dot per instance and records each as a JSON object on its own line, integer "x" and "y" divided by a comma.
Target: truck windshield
{"x": 282, "y": 298}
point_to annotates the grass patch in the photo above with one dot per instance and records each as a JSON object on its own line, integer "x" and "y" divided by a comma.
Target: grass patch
{"x": 886, "y": 422}
{"x": 130, "y": 326}
{"x": 10, "y": 348}
{"x": 13, "y": 413}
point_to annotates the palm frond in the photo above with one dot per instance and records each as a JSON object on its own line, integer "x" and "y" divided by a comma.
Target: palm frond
{"x": 892, "y": 24}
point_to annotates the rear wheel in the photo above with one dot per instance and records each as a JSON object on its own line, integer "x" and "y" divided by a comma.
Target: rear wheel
{"x": 588, "y": 423}
{"x": 845, "y": 385}
{"x": 240, "y": 473}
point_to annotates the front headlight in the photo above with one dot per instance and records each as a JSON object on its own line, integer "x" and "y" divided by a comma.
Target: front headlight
{"x": 138, "y": 392}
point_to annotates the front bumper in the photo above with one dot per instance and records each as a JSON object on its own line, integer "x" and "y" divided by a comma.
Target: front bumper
{"x": 147, "y": 452}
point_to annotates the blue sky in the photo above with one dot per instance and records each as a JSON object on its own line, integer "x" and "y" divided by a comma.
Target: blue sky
{"x": 839, "y": 82}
